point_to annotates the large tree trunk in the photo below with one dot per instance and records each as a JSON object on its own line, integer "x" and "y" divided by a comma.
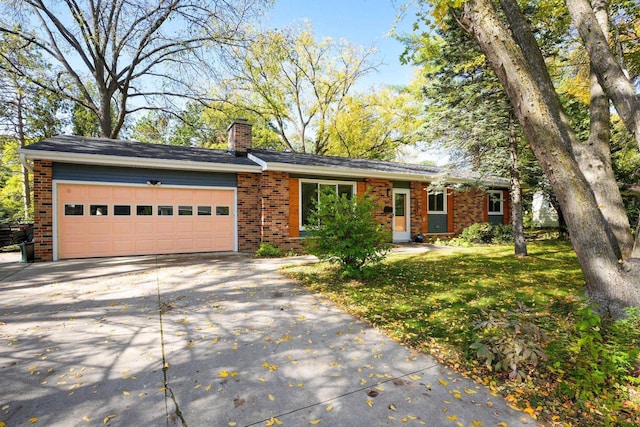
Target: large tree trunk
{"x": 516, "y": 191}
{"x": 592, "y": 24}
{"x": 536, "y": 104}
{"x": 594, "y": 157}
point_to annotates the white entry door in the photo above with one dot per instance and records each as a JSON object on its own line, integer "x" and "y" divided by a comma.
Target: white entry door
{"x": 401, "y": 216}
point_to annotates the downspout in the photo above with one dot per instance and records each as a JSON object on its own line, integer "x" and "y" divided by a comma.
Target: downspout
{"x": 25, "y": 163}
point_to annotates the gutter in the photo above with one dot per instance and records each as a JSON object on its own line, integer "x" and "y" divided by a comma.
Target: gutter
{"x": 105, "y": 160}
{"x": 25, "y": 163}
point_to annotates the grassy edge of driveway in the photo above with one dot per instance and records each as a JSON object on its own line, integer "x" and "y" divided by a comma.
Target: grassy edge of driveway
{"x": 434, "y": 300}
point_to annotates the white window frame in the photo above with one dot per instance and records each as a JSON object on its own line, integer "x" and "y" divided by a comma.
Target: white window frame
{"x": 353, "y": 184}
{"x": 501, "y": 195}
{"x": 444, "y": 202}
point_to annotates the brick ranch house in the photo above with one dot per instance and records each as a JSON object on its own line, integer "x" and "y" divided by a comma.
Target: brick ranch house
{"x": 97, "y": 197}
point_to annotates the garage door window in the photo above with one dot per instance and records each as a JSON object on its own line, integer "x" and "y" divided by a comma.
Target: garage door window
{"x": 185, "y": 210}
{"x": 74, "y": 210}
{"x": 222, "y": 210}
{"x": 144, "y": 210}
{"x": 204, "y": 210}
{"x": 122, "y": 210}
{"x": 165, "y": 210}
{"x": 98, "y": 210}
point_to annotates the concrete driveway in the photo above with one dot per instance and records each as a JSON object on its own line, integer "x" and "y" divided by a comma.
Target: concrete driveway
{"x": 209, "y": 340}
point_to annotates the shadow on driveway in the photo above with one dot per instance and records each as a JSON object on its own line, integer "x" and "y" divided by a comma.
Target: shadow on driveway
{"x": 209, "y": 340}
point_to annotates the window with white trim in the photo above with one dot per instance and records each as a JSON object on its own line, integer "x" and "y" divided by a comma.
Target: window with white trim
{"x": 310, "y": 191}
{"x": 437, "y": 202}
{"x": 496, "y": 202}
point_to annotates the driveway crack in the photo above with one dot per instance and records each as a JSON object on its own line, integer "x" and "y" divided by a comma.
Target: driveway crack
{"x": 168, "y": 392}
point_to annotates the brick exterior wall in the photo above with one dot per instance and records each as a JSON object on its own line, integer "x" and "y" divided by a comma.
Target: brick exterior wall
{"x": 470, "y": 207}
{"x": 382, "y": 191}
{"x": 418, "y": 216}
{"x": 43, "y": 210}
{"x": 248, "y": 212}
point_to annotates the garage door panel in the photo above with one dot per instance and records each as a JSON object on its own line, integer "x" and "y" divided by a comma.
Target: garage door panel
{"x": 108, "y": 234}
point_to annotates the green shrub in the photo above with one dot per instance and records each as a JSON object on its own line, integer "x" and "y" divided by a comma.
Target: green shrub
{"x": 346, "y": 232}
{"x": 510, "y": 342}
{"x": 602, "y": 355}
{"x": 267, "y": 250}
{"x": 484, "y": 232}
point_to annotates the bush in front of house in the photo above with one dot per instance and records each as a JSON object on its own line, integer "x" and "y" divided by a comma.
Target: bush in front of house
{"x": 345, "y": 232}
{"x": 484, "y": 232}
{"x": 267, "y": 250}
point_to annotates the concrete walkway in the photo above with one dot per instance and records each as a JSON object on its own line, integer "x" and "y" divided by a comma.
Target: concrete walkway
{"x": 209, "y": 340}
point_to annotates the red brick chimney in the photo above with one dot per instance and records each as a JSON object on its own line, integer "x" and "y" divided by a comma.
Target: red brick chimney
{"x": 240, "y": 137}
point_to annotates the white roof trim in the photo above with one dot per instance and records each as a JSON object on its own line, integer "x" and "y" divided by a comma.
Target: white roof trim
{"x": 98, "y": 159}
{"x": 363, "y": 173}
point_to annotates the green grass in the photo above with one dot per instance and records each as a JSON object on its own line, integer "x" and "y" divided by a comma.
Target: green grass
{"x": 432, "y": 301}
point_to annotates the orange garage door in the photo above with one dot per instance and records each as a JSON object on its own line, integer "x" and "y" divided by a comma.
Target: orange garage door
{"x": 104, "y": 220}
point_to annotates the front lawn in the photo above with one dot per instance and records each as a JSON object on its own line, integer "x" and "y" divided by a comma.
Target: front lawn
{"x": 433, "y": 301}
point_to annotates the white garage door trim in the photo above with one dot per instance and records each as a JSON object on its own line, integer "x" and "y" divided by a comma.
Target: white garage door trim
{"x": 54, "y": 199}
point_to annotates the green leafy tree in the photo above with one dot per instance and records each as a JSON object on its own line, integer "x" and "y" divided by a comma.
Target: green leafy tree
{"x": 295, "y": 83}
{"x": 588, "y": 195}
{"x": 346, "y": 232}
{"x": 468, "y": 114}
{"x": 27, "y": 113}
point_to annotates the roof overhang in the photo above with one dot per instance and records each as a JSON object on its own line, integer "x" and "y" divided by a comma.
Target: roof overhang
{"x": 104, "y": 160}
{"x": 367, "y": 173}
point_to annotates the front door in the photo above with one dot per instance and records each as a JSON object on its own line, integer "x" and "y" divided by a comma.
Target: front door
{"x": 401, "y": 217}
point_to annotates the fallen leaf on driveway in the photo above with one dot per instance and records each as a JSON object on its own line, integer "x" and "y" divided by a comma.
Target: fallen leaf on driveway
{"x": 314, "y": 422}
{"x": 108, "y": 418}
{"x": 33, "y": 420}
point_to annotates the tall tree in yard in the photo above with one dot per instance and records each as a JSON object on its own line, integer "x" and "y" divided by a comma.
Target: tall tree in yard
{"x": 468, "y": 113}
{"x": 602, "y": 245}
{"x": 27, "y": 113}
{"x": 116, "y": 57}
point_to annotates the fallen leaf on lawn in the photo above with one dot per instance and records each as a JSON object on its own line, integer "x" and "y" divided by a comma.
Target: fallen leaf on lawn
{"x": 314, "y": 422}
{"x": 370, "y": 403}
{"x": 33, "y": 420}
{"x": 108, "y": 418}
{"x": 443, "y": 382}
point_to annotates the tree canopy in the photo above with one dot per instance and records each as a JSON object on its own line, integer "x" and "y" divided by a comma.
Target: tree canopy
{"x": 116, "y": 57}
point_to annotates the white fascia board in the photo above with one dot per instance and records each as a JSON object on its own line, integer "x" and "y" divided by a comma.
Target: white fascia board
{"x": 362, "y": 173}
{"x": 104, "y": 160}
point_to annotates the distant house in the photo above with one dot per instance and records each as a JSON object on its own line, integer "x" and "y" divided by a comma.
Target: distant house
{"x": 98, "y": 197}
{"x": 544, "y": 214}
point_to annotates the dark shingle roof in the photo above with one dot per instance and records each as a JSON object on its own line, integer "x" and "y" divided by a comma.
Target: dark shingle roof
{"x": 118, "y": 148}
{"x": 313, "y": 160}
